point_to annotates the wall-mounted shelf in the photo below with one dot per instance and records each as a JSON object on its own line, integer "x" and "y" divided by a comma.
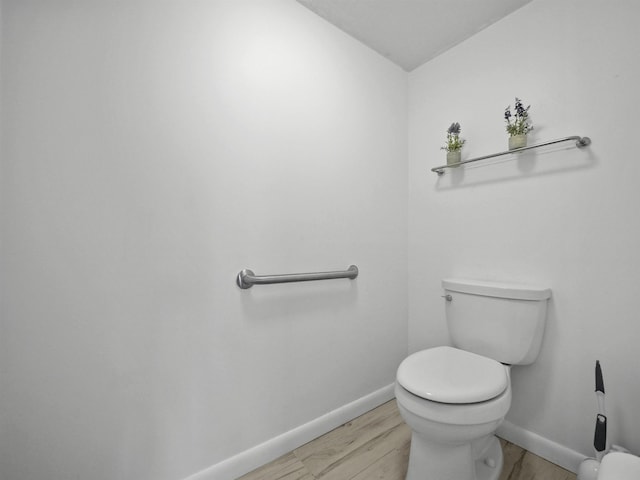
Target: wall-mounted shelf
{"x": 580, "y": 143}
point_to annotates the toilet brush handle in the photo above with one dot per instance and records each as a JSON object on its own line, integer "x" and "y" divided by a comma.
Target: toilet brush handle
{"x": 600, "y": 436}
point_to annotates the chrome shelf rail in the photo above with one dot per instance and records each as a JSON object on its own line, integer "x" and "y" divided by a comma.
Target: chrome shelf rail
{"x": 246, "y": 278}
{"x": 580, "y": 143}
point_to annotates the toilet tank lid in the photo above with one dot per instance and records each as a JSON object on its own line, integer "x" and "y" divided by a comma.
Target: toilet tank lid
{"x": 619, "y": 466}
{"x": 513, "y": 291}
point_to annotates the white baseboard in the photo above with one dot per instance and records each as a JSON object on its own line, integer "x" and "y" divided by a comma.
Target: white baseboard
{"x": 543, "y": 447}
{"x": 244, "y": 462}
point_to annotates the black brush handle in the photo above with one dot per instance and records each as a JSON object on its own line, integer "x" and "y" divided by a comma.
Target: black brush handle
{"x": 600, "y": 437}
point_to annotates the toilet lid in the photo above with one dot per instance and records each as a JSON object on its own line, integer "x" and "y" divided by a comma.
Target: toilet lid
{"x": 619, "y": 466}
{"x": 450, "y": 375}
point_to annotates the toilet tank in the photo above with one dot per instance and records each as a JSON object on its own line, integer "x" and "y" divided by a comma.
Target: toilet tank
{"x": 497, "y": 320}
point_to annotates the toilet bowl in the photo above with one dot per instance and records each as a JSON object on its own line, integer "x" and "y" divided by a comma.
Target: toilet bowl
{"x": 454, "y": 397}
{"x": 468, "y": 400}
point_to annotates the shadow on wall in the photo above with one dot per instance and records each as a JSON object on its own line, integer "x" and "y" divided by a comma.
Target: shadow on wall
{"x": 297, "y": 300}
{"x": 531, "y": 395}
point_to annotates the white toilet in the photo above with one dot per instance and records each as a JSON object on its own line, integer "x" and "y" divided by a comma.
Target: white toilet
{"x": 454, "y": 398}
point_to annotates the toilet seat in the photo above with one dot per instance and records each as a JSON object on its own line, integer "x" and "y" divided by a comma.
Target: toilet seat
{"x": 452, "y": 376}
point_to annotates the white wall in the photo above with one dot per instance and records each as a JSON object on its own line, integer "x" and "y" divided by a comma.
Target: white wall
{"x": 559, "y": 217}
{"x": 153, "y": 150}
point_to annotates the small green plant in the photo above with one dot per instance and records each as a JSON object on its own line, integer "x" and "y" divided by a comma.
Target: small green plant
{"x": 520, "y": 123}
{"x": 454, "y": 142}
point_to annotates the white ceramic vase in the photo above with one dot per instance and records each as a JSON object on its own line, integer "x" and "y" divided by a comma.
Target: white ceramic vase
{"x": 517, "y": 141}
{"x": 453, "y": 158}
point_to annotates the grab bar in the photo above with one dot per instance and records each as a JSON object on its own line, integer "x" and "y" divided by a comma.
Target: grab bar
{"x": 246, "y": 278}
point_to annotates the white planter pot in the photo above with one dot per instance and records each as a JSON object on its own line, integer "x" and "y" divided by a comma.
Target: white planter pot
{"x": 517, "y": 141}
{"x": 453, "y": 158}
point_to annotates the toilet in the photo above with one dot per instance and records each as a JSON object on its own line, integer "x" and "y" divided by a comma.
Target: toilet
{"x": 454, "y": 397}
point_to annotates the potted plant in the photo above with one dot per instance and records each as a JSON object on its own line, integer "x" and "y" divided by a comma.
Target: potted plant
{"x": 454, "y": 144}
{"x": 518, "y": 125}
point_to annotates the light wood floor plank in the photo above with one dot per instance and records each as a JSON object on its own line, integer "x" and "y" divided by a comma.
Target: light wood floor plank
{"x": 287, "y": 467}
{"x": 522, "y": 465}
{"x": 362, "y": 458}
{"x": 537, "y": 468}
{"x": 393, "y": 466}
{"x": 512, "y": 455}
{"x": 328, "y": 450}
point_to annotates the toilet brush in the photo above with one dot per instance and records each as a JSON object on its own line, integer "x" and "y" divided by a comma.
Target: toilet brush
{"x": 600, "y": 435}
{"x": 588, "y": 469}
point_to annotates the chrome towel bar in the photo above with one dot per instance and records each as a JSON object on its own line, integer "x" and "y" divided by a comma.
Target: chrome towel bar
{"x": 246, "y": 278}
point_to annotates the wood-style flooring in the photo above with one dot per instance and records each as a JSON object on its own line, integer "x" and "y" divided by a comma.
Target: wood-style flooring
{"x": 375, "y": 446}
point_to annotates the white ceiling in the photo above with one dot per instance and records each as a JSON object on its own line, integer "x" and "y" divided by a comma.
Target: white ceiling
{"x": 411, "y": 32}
